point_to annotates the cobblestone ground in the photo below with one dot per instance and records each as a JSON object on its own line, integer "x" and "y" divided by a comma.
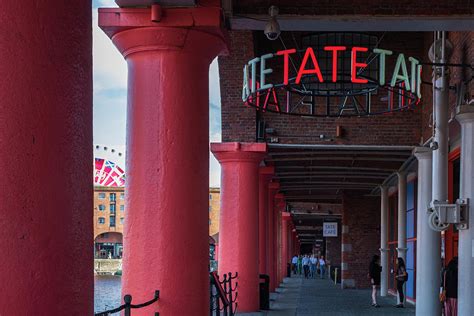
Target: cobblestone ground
{"x": 305, "y": 297}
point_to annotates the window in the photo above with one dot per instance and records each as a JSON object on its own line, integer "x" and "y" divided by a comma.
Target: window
{"x": 210, "y": 196}
{"x": 210, "y": 221}
{"x": 122, "y": 196}
{"x": 210, "y": 208}
{"x": 121, "y": 220}
{"x": 112, "y": 208}
{"x": 112, "y": 221}
{"x": 101, "y": 220}
{"x": 122, "y": 208}
{"x": 112, "y": 197}
{"x": 101, "y": 207}
{"x": 101, "y": 196}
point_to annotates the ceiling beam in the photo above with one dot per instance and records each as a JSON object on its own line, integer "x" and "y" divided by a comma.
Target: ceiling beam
{"x": 356, "y": 23}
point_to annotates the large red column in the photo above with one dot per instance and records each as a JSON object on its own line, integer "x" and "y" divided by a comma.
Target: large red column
{"x": 273, "y": 188}
{"x": 238, "y": 226}
{"x": 265, "y": 174}
{"x": 46, "y": 197}
{"x": 285, "y": 222}
{"x": 166, "y": 231}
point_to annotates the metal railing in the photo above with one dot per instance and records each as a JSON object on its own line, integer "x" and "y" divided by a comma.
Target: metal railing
{"x": 223, "y": 294}
{"x": 128, "y": 306}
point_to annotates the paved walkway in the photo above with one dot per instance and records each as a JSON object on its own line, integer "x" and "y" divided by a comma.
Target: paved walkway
{"x": 305, "y": 297}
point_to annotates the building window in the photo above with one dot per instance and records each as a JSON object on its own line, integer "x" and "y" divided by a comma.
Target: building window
{"x": 210, "y": 196}
{"x": 112, "y": 208}
{"x": 112, "y": 221}
{"x": 210, "y": 221}
{"x": 210, "y": 208}
{"x": 121, "y": 220}
{"x": 122, "y": 208}
{"x": 122, "y": 196}
{"x": 101, "y": 207}
{"x": 101, "y": 196}
{"x": 101, "y": 220}
{"x": 113, "y": 197}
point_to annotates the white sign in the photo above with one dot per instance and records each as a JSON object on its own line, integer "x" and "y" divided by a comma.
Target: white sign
{"x": 329, "y": 229}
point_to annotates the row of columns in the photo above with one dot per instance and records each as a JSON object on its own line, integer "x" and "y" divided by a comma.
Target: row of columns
{"x": 255, "y": 234}
{"x": 428, "y": 241}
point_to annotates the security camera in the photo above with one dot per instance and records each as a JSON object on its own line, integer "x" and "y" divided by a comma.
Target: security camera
{"x": 272, "y": 29}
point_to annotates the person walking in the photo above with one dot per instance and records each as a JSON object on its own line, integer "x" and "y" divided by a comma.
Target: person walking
{"x": 294, "y": 264}
{"x": 374, "y": 274}
{"x": 401, "y": 277}
{"x": 450, "y": 288}
{"x": 314, "y": 263}
{"x": 322, "y": 267}
{"x": 306, "y": 263}
{"x": 300, "y": 264}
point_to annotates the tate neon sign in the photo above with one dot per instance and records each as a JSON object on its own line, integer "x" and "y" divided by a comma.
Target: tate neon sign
{"x": 404, "y": 79}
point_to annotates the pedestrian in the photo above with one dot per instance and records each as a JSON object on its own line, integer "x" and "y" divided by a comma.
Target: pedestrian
{"x": 374, "y": 274}
{"x": 401, "y": 277}
{"x": 294, "y": 263}
{"x": 306, "y": 263}
{"x": 300, "y": 264}
{"x": 450, "y": 288}
{"x": 322, "y": 266}
{"x": 314, "y": 263}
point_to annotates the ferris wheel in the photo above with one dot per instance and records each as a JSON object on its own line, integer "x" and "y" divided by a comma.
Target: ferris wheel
{"x": 107, "y": 170}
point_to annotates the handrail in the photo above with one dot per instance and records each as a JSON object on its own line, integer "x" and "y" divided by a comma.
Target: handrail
{"x": 223, "y": 294}
{"x": 128, "y": 305}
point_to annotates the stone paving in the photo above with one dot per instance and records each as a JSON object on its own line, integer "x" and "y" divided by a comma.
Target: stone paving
{"x": 305, "y": 297}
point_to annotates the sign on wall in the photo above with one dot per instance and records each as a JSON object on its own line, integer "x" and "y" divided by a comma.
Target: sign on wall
{"x": 332, "y": 81}
{"x": 330, "y": 229}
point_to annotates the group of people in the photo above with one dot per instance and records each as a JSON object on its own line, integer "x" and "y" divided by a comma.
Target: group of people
{"x": 309, "y": 265}
{"x": 449, "y": 283}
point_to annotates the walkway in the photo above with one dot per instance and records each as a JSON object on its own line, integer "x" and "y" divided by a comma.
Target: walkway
{"x": 305, "y": 297}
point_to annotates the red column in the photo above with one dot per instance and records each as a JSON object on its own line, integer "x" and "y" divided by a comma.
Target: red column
{"x": 166, "y": 231}
{"x": 285, "y": 222}
{"x": 46, "y": 198}
{"x": 273, "y": 188}
{"x": 265, "y": 174}
{"x": 279, "y": 202}
{"x": 238, "y": 226}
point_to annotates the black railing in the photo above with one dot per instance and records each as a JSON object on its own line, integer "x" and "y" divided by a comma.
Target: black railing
{"x": 128, "y": 306}
{"x": 223, "y": 294}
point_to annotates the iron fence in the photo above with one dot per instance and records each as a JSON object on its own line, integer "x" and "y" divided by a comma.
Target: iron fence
{"x": 128, "y": 306}
{"x": 223, "y": 294}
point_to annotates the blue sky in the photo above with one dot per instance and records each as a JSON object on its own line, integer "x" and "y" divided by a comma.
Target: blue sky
{"x": 110, "y": 94}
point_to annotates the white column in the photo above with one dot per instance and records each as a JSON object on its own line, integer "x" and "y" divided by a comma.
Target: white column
{"x": 384, "y": 240}
{"x": 402, "y": 215}
{"x": 428, "y": 241}
{"x": 465, "y": 117}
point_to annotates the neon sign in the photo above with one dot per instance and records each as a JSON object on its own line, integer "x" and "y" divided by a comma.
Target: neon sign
{"x": 342, "y": 86}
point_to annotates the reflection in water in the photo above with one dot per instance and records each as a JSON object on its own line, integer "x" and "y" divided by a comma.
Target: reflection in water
{"x": 107, "y": 292}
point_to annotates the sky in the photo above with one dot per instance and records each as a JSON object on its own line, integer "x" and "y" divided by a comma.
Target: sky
{"x": 110, "y": 95}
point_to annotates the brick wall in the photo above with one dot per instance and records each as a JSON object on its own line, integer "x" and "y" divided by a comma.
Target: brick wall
{"x": 238, "y": 122}
{"x": 214, "y": 210}
{"x": 360, "y": 238}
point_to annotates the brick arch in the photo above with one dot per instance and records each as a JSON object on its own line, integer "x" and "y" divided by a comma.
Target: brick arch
{"x": 112, "y": 237}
